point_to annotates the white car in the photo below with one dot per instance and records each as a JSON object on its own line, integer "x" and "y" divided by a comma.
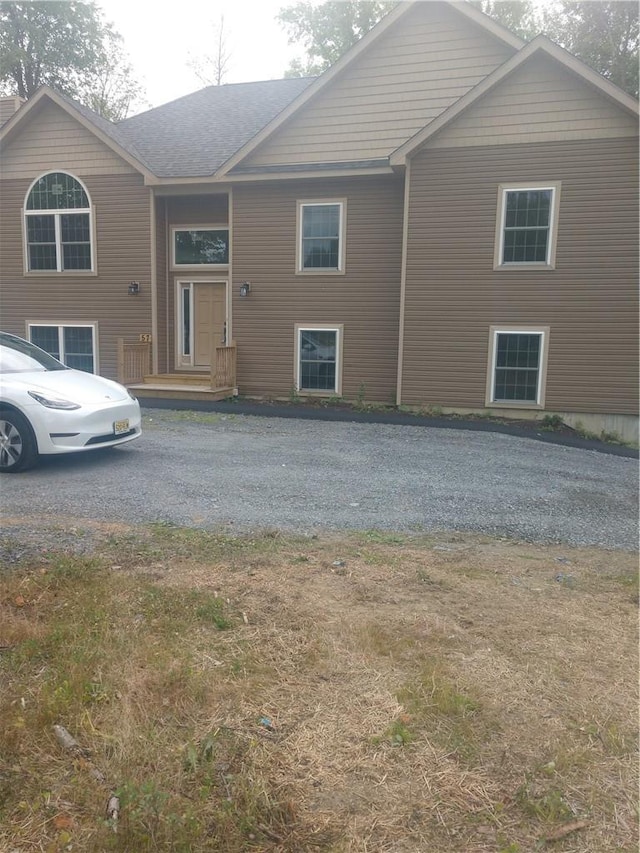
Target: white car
{"x": 46, "y": 407}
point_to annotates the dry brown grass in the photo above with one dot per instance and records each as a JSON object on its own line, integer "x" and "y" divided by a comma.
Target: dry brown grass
{"x": 453, "y": 693}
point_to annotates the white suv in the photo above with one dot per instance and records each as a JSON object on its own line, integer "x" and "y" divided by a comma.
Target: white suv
{"x": 46, "y": 407}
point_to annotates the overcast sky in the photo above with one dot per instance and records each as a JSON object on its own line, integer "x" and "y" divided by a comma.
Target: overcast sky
{"x": 161, "y": 40}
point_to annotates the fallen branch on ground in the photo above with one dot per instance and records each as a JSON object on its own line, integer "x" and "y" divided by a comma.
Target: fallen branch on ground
{"x": 565, "y": 829}
{"x": 68, "y": 742}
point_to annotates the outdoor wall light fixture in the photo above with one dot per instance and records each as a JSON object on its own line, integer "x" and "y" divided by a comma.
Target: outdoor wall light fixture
{"x": 245, "y": 288}
{"x": 134, "y": 288}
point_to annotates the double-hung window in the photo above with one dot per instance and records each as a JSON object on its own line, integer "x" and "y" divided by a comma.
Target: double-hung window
{"x": 527, "y": 220}
{"x": 321, "y": 236}
{"x": 517, "y": 366}
{"x": 319, "y": 359}
{"x": 58, "y": 225}
{"x": 74, "y": 346}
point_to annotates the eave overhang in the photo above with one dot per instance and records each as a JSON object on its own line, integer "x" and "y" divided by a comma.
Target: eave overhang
{"x": 293, "y": 172}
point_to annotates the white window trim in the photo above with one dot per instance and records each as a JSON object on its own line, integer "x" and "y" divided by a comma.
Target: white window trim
{"x": 494, "y": 331}
{"x": 342, "y": 236}
{"x": 56, "y": 214}
{"x": 550, "y": 262}
{"x": 338, "y": 328}
{"x": 182, "y": 361}
{"x": 70, "y": 324}
{"x": 220, "y": 227}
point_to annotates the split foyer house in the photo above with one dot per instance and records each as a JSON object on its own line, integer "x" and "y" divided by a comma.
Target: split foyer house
{"x": 447, "y": 217}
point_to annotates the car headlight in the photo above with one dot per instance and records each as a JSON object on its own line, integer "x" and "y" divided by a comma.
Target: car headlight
{"x": 53, "y": 402}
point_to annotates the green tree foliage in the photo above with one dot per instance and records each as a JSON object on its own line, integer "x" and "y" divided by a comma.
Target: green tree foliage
{"x": 519, "y": 16}
{"x": 602, "y": 33}
{"x": 67, "y": 46}
{"x": 328, "y": 30}
{"x": 111, "y": 88}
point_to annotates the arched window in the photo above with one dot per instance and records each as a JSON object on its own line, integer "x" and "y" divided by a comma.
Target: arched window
{"x": 58, "y": 224}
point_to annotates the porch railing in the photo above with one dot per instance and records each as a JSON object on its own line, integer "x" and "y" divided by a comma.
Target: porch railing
{"x": 134, "y": 361}
{"x": 223, "y": 366}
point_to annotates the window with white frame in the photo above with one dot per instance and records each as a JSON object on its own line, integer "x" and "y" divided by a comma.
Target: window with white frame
{"x": 318, "y": 359}
{"x": 517, "y": 361}
{"x": 58, "y": 225}
{"x": 527, "y": 220}
{"x": 186, "y": 296}
{"x": 72, "y": 345}
{"x": 200, "y": 246}
{"x": 321, "y": 236}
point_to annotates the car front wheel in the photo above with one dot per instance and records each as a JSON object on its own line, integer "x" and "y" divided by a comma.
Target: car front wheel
{"x": 17, "y": 443}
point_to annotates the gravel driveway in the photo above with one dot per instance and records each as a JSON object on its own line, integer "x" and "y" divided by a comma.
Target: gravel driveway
{"x": 241, "y": 472}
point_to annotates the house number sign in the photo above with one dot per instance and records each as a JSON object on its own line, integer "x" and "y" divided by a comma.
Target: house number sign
{"x": 145, "y": 339}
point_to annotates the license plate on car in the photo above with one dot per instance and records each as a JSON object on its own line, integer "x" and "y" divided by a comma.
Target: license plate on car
{"x": 120, "y": 427}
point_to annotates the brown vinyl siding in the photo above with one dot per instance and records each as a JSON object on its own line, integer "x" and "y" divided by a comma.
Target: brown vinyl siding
{"x": 122, "y": 214}
{"x": 453, "y": 294}
{"x": 53, "y": 140}
{"x": 418, "y": 68}
{"x": 365, "y": 299}
{"x": 162, "y": 278}
{"x": 540, "y": 102}
{"x": 198, "y": 210}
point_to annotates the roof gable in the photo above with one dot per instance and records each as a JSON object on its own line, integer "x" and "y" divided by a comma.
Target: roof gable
{"x": 600, "y": 112}
{"x": 420, "y": 58}
{"x": 103, "y": 130}
{"x": 53, "y": 139}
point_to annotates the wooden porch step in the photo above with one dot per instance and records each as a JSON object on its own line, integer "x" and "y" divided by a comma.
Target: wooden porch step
{"x": 178, "y": 379}
{"x": 172, "y": 391}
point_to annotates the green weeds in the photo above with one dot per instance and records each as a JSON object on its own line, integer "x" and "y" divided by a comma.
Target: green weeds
{"x": 552, "y": 422}
{"x": 434, "y": 703}
{"x": 546, "y": 804}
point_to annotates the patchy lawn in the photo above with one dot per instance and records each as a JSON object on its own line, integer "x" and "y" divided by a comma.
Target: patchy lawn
{"x": 364, "y": 693}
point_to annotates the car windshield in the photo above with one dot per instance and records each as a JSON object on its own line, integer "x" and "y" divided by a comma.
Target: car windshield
{"x": 18, "y": 356}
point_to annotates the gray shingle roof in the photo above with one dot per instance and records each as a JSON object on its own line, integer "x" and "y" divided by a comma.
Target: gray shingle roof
{"x": 194, "y": 135}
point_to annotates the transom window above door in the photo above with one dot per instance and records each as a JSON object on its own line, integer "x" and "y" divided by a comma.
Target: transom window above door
{"x": 200, "y": 246}
{"x": 58, "y": 225}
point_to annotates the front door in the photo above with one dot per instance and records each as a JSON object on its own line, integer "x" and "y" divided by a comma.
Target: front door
{"x": 203, "y": 321}
{"x": 209, "y": 310}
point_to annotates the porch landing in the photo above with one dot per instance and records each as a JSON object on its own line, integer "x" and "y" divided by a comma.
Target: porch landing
{"x": 178, "y": 386}
{"x": 217, "y": 383}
